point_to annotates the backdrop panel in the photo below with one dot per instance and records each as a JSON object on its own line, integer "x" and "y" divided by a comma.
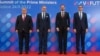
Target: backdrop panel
{"x": 10, "y": 9}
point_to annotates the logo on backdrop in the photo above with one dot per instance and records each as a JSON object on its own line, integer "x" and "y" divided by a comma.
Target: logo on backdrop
{"x": 87, "y": 3}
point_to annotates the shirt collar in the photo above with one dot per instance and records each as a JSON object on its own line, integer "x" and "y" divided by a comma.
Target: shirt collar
{"x": 80, "y": 11}
{"x": 62, "y": 11}
{"x": 24, "y": 15}
{"x": 43, "y": 12}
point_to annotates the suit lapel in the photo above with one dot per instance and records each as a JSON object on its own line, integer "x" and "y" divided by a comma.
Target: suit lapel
{"x": 60, "y": 14}
{"x": 41, "y": 15}
{"x": 21, "y": 18}
{"x": 78, "y": 15}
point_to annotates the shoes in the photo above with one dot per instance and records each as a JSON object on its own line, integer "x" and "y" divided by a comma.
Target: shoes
{"x": 40, "y": 53}
{"x": 84, "y": 53}
{"x": 77, "y": 53}
{"x": 60, "y": 52}
{"x": 45, "y": 53}
{"x": 20, "y": 53}
{"x": 26, "y": 52}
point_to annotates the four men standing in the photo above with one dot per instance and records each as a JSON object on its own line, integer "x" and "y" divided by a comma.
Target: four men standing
{"x": 24, "y": 26}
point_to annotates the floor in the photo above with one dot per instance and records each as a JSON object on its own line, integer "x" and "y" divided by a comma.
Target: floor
{"x": 48, "y": 54}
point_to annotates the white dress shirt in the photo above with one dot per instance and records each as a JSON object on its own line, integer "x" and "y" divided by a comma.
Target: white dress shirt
{"x": 62, "y": 13}
{"x": 23, "y": 16}
{"x": 43, "y": 15}
{"x": 80, "y": 14}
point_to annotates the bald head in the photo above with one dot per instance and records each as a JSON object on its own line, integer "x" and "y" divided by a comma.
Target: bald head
{"x": 24, "y": 10}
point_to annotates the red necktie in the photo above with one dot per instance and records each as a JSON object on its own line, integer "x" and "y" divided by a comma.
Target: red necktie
{"x": 23, "y": 18}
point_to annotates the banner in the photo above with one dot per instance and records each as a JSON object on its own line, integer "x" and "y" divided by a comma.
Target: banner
{"x": 10, "y": 9}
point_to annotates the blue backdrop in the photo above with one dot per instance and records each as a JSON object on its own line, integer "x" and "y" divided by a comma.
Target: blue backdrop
{"x": 9, "y": 10}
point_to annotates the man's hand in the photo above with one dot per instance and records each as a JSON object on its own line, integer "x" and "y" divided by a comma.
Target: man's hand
{"x": 57, "y": 29}
{"x": 75, "y": 30}
{"x": 48, "y": 30}
{"x": 37, "y": 30}
{"x": 16, "y": 30}
{"x": 30, "y": 31}
{"x": 68, "y": 28}
{"x": 86, "y": 30}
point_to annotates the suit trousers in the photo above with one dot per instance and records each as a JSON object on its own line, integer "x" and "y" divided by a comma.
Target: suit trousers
{"x": 62, "y": 40}
{"x": 80, "y": 39}
{"x": 43, "y": 35}
{"x": 23, "y": 39}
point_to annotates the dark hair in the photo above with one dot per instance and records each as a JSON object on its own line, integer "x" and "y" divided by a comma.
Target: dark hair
{"x": 80, "y": 5}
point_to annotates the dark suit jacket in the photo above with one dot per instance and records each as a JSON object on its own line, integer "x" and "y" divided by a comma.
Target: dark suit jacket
{"x": 62, "y": 22}
{"x": 25, "y": 25}
{"x": 80, "y": 23}
{"x": 43, "y": 23}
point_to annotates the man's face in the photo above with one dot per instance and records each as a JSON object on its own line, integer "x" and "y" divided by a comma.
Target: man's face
{"x": 44, "y": 9}
{"x": 24, "y": 11}
{"x": 62, "y": 7}
{"x": 80, "y": 8}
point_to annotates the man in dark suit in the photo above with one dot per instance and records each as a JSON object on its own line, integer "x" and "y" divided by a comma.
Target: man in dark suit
{"x": 80, "y": 26}
{"x": 24, "y": 26}
{"x": 62, "y": 27}
{"x": 43, "y": 27}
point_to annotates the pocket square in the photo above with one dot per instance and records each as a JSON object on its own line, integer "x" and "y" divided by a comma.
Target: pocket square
{"x": 46, "y": 16}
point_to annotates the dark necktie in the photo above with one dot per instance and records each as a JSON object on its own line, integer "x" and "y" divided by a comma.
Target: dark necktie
{"x": 43, "y": 15}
